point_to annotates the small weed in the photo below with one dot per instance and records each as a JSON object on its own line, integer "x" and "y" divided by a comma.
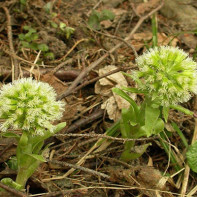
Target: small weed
{"x": 29, "y": 40}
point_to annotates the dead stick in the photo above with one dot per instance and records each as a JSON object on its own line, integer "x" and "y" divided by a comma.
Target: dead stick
{"x": 100, "y": 77}
{"x": 101, "y": 59}
{"x": 94, "y": 135}
{"x": 79, "y": 168}
{"x": 16, "y": 70}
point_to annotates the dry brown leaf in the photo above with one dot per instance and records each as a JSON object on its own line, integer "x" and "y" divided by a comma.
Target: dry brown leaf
{"x": 54, "y": 82}
{"x": 112, "y": 103}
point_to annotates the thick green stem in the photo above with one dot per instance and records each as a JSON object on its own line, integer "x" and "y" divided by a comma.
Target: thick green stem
{"x": 22, "y": 177}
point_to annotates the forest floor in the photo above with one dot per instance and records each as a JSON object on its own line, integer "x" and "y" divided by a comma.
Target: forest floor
{"x": 77, "y": 46}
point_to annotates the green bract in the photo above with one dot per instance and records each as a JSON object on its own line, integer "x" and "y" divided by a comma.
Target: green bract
{"x": 167, "y": 74}
{"x": 29, "y": 105}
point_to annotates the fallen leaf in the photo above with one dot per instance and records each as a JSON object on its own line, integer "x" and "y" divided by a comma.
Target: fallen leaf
{"x": 112, "y": 103}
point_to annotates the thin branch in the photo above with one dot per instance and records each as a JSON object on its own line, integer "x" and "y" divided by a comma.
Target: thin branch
{"x": 77, "y": 167}
{"x": 94, "y": 135}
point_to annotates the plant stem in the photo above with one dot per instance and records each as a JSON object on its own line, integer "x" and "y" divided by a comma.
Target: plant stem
{"x": 22, "y": 176}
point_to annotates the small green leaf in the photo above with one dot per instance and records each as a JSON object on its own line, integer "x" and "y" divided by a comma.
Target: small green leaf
{"x": 94, "y": 20}
{"x": 47, "y": 7}
{"x": 23, "y": 2}
{"x": 69, "y": 31}
{"x": 11, "y": 135}
{"x": 43, "y": 47}
{"x": 62, "y": 26}
{"x": 50, "y": 55}
{"x": 37, "y": 157}
{"x": 33, "y": 46}
{"x": 34, "y": 37}
{"x": 12, "y": 163}
{"x": 107, "y": 15}
{"x": 28, "y": 28}
{"x": 25, "y": 44}
{"x": 21, "y": 36}
{"x": 191, "y": 156}
{"x": 53, "y": 24}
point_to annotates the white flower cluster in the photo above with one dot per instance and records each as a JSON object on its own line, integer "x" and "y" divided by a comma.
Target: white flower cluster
{"x": 29, "y": 105}
{"x": 168, "y": 74}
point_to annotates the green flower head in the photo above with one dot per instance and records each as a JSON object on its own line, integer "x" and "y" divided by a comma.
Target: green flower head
{"x": 167, "y": 74}
{"x": 29, "y": 105}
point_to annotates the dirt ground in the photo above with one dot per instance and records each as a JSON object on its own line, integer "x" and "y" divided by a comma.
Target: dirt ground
{"x": 67, "y": 45}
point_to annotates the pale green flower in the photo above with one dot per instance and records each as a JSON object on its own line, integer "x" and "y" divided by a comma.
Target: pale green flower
{"x": 29, "y": 105}
{"x": 167, "y": 74}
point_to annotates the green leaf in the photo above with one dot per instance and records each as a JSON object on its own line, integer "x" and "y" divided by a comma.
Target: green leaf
{"x": 25, "y": 44}
{"x": 107, "y": 15}
{"x": 62, "y": 26}
{"x": 11, "y": 135}
{"x": 159, "y": 127}
{"x": 94, "y": 20}
{"x": 127, "y": 98}
{"x": 37, "y": 147}
{"x": 129, "y": 155}
{"x": 50, "y": 55}
{"x": 21, "y": 36}
{"x": 23, "y": 2}
{"x": 53, "y": 24}
{"x": 69, "y": 31}
{"x": 125, "y": 125}
{"x": 29, "y": 29}
{"x": 12, "y": 163}
{"x": 191, "y": 156}
{"x": 183, "y": 138}
{"x": 182, "y": 109}
{"x": 9, "y": 182}
{"x": 33, "y": 46}
{"x": 37, "y": 157}
{"x": 33, "y": 37}
{"x": 151, "y": 117}
{"x": 165, "y": 112}
{"x": 47, "y": 7}
{"x": 23, "y": 140}
{"x": 43, "y": 47}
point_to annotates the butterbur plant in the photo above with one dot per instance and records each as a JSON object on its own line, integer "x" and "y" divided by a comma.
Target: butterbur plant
{"x": 29, "y": 108}
{"x": 166, "y": 77}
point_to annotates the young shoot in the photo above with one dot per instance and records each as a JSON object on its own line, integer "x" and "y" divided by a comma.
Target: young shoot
{"x": 29, "y": 108}
{"x": 166, "y": 77}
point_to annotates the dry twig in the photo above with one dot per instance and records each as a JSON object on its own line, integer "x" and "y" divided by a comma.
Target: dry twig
{"x": 15, "y": 66}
